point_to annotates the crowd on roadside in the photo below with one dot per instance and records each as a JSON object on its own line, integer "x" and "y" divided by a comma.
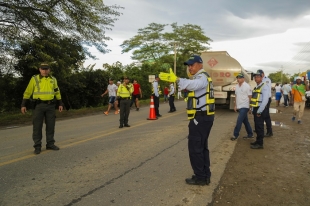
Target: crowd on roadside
{"x": 257, "y": 102}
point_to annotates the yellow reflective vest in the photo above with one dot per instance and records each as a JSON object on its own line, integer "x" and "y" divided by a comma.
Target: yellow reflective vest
{"x": 125, "y": 91}
{"x": 43, "y": 88}
{"x": 210, "y": 100}
{"x": 158, "y": 90}
{"x": 256, "y": 95}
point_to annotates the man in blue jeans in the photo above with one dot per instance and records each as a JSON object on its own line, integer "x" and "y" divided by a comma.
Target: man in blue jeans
{"x": 242, "y": 104}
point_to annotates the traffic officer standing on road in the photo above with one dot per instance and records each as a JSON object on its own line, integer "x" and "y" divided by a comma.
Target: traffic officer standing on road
{"x": 258, "y": 103}
{"x": 155, "y": 95}
{"x": 124, "y": 92}
{"x": 43, "y": 88}
{"x": 267, "y": 119}
{"x": 171, "y": 98}
{"x": 200, "y": 112}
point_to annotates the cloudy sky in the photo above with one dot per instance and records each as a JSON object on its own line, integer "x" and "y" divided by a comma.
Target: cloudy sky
{"x": 265, "y": 34}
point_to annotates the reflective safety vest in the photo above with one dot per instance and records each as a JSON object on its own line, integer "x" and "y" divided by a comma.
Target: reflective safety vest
{"x": 256, "y": 95}
{"x": 192, "y": 100}
{"x": 158, "y": 90}
{"x": 125, "y": 91}
{"x": 43, "y": 88}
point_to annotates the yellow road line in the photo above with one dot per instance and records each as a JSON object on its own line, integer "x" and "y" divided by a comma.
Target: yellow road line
{"x": 84, "y": 139}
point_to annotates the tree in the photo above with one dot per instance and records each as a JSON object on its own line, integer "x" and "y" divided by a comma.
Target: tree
{"x": 84, "y": 21}
{"x": 276, "y": 77}
{"x": 147, "y": 44}
{"x": 153, "y": 44}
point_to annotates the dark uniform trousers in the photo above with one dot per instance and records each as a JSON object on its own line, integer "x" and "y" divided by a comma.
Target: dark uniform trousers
{"x": 42, "y": 112}
{"x": 124, "y": 110}
{"x": 198, "y": 145}
{"x": 267, "y": 117}
{"x": 171, "y": 103}
{"x": 259, "y": 124}
{"x": 156, "y": 104}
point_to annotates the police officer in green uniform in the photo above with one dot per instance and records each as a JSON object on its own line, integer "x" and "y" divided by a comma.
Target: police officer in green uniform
{"x": 45, "y": 92}
{"x": 124, "y": 92}
{"x": 258, "y": 103}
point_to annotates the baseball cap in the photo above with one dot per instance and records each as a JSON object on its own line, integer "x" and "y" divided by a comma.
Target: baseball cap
{"x": 240, "y": 75}
{"x": 44, "y": 66}
{"x": 193, "y": 59}
{"x": 156, "y": 76}
{"x": 298, "y": 78}
{"x": 258, "y": 73}
{"x": 118, "y": 82}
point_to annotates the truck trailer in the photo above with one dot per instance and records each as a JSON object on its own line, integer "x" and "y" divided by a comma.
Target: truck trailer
{"x": 223, "y": 70}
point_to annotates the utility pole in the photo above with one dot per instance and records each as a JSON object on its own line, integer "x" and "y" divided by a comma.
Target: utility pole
{"x": 175, "y": 59}
{"x": 281, "y": 74}
{"x": 175, "y": 62}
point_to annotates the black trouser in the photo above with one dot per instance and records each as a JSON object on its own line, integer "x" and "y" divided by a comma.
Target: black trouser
{"x": 198, "y": 145}
{"x": 156, "y": 104}
{"x": 171, "y": 103}
{"x": 124, "y": 111}
{"x": 133, "y": 100}
{"x": 267, "y": 118}
{"x": 42, "y": 112}
{"x": 259, "y": 124}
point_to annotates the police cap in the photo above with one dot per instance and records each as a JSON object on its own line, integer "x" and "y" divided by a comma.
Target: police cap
{"x": 44, "y": 66}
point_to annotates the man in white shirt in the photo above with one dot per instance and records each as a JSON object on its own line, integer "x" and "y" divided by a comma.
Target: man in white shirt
{"x": 171, "y": 98}
{"x": 286, "y": 89}
{"x": 155, "y": 94}
{"x": 179, "y": 92}
{"x": 243, "y": 94}
{"x": 112, "y": 89}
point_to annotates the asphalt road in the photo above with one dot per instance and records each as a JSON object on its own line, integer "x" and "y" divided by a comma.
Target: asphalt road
{"x": 100, "y": 164}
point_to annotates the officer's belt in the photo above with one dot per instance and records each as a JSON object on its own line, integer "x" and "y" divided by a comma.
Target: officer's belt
{"x": 125, "y": 98}
{"x": 45, "y": 101}
{"x": 201, "y": 113}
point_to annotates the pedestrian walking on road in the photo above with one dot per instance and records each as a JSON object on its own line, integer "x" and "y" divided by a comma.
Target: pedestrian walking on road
{"x": 45, "y": 93}
{"x": 166, "y": 93}
{"x": 298, "y": 95}
{"x": 259, "y": 101}
{"x": 200, "y": 112}
{"x": 112, "y": 89}
{"x": 124, "y": 92}
{"x": 278, "y": 94}
{"x": 171, "y": 98}
{"x": 243, "y": 94}
{"x": 286, "y": 91}
{"x": 136, "y": 95}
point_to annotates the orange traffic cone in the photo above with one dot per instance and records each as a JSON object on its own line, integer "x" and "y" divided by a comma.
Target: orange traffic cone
{"x": 152, "y": 115}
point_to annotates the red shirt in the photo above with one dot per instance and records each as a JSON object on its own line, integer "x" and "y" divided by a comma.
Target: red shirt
{"x": 166, "y": 91}
{"x": 136, "y": 88}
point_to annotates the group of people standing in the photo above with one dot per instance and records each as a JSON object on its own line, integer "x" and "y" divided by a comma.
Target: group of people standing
{"x": 200, "y": 108}
{"x": 294, "y": 94}
{"x": 258, "y": 102}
